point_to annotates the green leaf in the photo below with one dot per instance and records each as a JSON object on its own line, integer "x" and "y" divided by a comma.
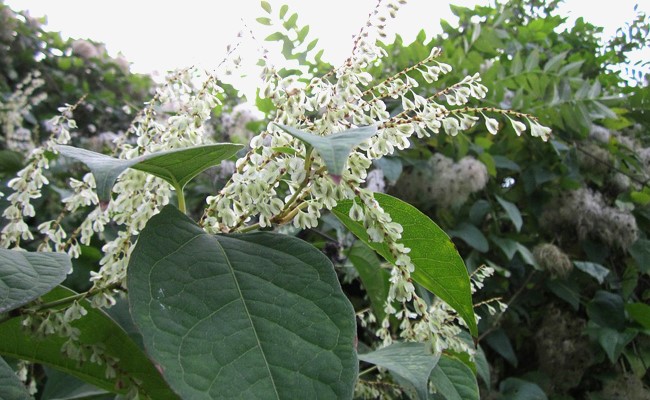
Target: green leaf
{"x": 519, "y": 389}
{"x": 283, "y": 10}
{"x": 454, "y": 380}
{"x": 96, "y": 328}
{"x": 61, "y": 386}
{"x": 177, "y": 166}
{"x": 594, "y": 270}
{"x": 373, "y": 277}
{"x": 438, "y": 266}
{"x": 266, "y": 6}
{"x": 567, "y": 290}
{"x": 264, "y": 21}
{"x": 499, "y": 342}
{"x": 611, "y": 340}
{"x": 25, "y": 276}
{"x": 410, "y": 361}
{"x": 471, "y": 235}
{"x": 11, "y": 388}
{"x": 258, "y": 315}
{"x": 640, "y": 251}
{"x": 607, "y": 310}
{"x": 554, "y": 62}
{"x": 302, "y": 34}
{"x": 512, "y": 211}
{"x": 334, "y": 149}
{"x": 639, "y": 312}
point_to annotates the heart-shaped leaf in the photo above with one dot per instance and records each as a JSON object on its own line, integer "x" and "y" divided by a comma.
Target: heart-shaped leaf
{"x": 96, "y": 328}
{"x": 177, "y": 166}
{"x": 11, "y": 388}
{"x": 410, "y": 361}
{"x": 258, "y": 315}
{"x": 438, "y": 266}
{"x": 454, "y": 380}
{"x": 334, "y": 149}
{"x": 25, "y": 276}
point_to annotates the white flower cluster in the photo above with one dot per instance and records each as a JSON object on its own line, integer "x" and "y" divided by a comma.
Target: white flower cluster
{"x": 14, "y": 109}
{"x": 442, "y": 181}
{"x": 271, "y": 187}
{"x": 586, "y": 211}
{"x": 28, "y": 182}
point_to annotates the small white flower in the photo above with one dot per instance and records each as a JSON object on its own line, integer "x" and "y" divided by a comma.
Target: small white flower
{"x": 492, "y": 125}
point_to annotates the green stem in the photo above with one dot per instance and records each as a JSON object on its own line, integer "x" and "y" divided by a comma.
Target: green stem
{"x": 73, "y": 298}
{"x": 181, "y": 199}
{"x": 249, "y": 228}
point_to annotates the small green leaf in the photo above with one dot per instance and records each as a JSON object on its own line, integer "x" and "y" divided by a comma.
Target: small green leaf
{"x": 373, "y": 277}
{"x": 266, "y": 6}
{"x": 290, "y": 23}
{"x": 258, "y": 315}
{"x": 611, "y": 340}
{"x": 334, "y": 149}
{"x": 264, "y": 21}
{"x": 25, "y": 276}
{"x": 11, "y": 388}
{"x": 96, "y": 328}
{"x": 639, "y": 312}
{"x": 512, "y": 211}
{"x": 470, "y": 235}
{"x": 177, "y": 166}
{"x": 553, "y": 63}
{"x": 454, "y": 380}
{"x": 594, "y": 270}
{"x": 283, "y": 10}
{"x": 519, "y": 389}
{"x": 302, "y": 34}
{"x": 607, "y": 310}
{"x": 438, "y": 266}
{"x": 409, "y": 361}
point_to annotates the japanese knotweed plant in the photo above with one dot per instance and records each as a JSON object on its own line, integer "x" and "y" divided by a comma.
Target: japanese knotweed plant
{"x": 226, "y": 305}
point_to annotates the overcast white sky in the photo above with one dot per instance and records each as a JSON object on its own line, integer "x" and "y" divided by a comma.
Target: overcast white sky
{"x": 164, "y": 35}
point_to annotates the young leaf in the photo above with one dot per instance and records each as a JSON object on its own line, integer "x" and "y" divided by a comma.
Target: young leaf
{"x": 177, "y": 166}
{"x": 11, "y": 388}
{"x": 438, "y": 266}
{"x": 266, "y": 6}
{"x": 96, "y": 329}
{"x": 454, "y": 380}
{"x": 257, "y": 315}
{"x": 410, "y": 361}
{"x": 334, "y": 149}
{"x": 25, "y": 276}
{"x": 512, "y": 211}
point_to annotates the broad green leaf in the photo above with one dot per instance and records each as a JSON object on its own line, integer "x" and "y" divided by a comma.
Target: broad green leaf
{"x": 25, "y": 276}
{"x": 640, "y": 312}
{"x": 512, "y": 211}
{"x": 334, "y": 149}
{"x": 11, "y": 388}
{"x": 410, "y": 361}
{"x": 567, "y": 290}
{"x": 454, "y": 380}
{"x": 607, "y": 310}
{"x": 373, "y": 277}
{"x": 499, "y": 342}
{"x": 438, "y": 266}
{"x": 471, "y": 235}
{"x": 258, "y": 315}
{"x": 177, "y": 166}
{"x": 596, "y": 271}
{"x": 611, "y": 340}
{"x": 519, "y": 389}
{"x": 95, "y": 328}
